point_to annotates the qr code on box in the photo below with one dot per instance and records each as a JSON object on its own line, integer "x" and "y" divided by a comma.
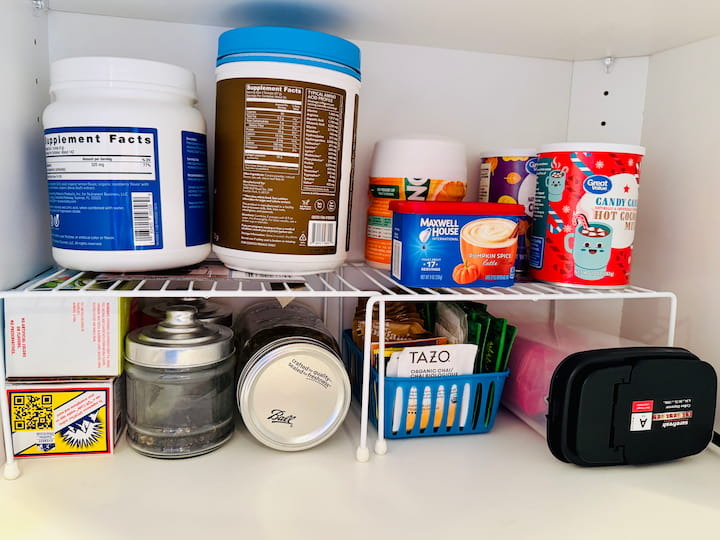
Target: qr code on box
{"x": 31, "y": 412}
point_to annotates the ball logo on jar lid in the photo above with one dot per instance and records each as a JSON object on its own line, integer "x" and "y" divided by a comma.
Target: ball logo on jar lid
{"x": 279, "y": 416}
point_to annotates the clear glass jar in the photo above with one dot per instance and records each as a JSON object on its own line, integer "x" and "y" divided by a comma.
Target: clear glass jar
{"x": 180, "y": 386}
{"x": 265, "y": 322}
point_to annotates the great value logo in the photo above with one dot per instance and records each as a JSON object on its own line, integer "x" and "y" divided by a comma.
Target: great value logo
{"x": 531, "y": 166}
{"x": 597, "y": 184}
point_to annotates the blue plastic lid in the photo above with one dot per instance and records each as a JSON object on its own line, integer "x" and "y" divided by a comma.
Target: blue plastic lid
{"x": 270, "y": 40}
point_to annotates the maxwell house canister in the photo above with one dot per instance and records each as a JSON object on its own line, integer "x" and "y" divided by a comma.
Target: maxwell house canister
{"x": 455, "y": 244}
{"x": 584, "y": 218}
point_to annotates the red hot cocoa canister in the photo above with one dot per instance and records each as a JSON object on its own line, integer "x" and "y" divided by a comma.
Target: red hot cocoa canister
{"x": 584, "y": 216}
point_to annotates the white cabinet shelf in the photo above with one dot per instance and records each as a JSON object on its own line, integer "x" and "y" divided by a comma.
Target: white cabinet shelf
{"x": 353, "y": 280}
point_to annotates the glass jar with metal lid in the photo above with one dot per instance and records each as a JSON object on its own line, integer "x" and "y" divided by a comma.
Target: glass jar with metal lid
{"x": 293, "y": 391}
{"x": 207, "y": 310}
{"x": 180, "y": 385}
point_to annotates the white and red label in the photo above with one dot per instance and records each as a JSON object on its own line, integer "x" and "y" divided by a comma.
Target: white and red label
{"x": 671, "y": 413}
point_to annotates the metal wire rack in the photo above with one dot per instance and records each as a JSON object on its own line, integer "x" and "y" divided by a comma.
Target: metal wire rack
{"x": 352, "y": 280}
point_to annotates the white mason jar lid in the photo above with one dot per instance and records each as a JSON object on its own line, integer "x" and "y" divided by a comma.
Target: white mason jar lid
{"x": 118, "y": 72}
{"x": 293, "y": 394}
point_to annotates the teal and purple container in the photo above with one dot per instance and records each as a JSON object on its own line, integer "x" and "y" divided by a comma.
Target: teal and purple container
{"x": 454, "y": 244}
{"x": 509, "y": 177}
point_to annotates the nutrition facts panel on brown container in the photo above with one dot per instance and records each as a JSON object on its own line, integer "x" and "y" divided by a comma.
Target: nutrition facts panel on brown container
{"x": 282, "y": 172}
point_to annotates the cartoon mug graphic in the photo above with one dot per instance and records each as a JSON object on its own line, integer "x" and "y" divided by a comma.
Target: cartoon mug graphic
{"x": 555, "y": 184}
{"x": 592, "y": 243}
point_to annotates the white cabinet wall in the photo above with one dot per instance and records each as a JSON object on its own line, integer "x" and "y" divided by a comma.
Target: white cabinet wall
{"x": 666, "y": 101}
{"x": 677, "y": 248}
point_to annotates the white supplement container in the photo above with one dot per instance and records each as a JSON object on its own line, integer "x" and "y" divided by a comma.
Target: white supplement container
{"x": 126, "y": 156}
{"x": 414, "y": 168}
{"x": 286, "y": 116}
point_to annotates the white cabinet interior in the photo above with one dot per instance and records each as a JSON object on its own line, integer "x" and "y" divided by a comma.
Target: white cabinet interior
{"x": 487, "y": 73}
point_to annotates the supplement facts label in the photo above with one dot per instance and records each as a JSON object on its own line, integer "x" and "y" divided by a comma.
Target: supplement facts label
{"x": 284, "y": 169}
{"x": 104, "y": 188}
{"x": 290, "y": 129}
{"x": 79, "y": 155}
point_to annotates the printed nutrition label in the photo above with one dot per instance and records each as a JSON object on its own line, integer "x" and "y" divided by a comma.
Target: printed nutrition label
{"x": 96, "y": 155}
{"x": 104, "y": 189}
{"x": 273, "y": 129}
{"x": 291, "y": 130}
{"x": 291, "y": 166}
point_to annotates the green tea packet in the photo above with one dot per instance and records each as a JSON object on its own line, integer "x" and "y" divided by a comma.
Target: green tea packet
{"x": 509, "y": 340}
{"x": 478, "y": 327}
{"x": 473, "y": 307}
{"x": 493, "y": 356}
{"x": 506, "y": 333}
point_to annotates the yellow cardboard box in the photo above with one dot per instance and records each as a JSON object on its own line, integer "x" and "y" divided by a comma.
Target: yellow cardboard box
{"x": 64, "y": 417}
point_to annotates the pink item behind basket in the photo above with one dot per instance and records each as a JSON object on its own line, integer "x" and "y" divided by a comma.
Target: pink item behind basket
{"x": 536, "y": 352}
{"x": 531, "y": 367}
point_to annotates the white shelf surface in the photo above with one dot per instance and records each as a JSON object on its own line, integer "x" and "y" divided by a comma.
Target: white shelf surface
{"x": 503, "y": 484}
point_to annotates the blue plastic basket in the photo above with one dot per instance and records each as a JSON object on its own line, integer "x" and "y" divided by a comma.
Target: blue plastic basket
{"x": 480, "y": 392}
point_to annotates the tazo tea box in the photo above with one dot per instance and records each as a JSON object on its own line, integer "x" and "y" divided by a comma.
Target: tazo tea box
{"x": 431, "y": 361}
{"x": 439, "y": 244}
{"x": 65, "y": 417}
{"x": 64, "y": 335}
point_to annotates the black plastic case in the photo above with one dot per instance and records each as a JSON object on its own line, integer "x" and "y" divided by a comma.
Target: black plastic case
{"x": 630, "y": 405}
